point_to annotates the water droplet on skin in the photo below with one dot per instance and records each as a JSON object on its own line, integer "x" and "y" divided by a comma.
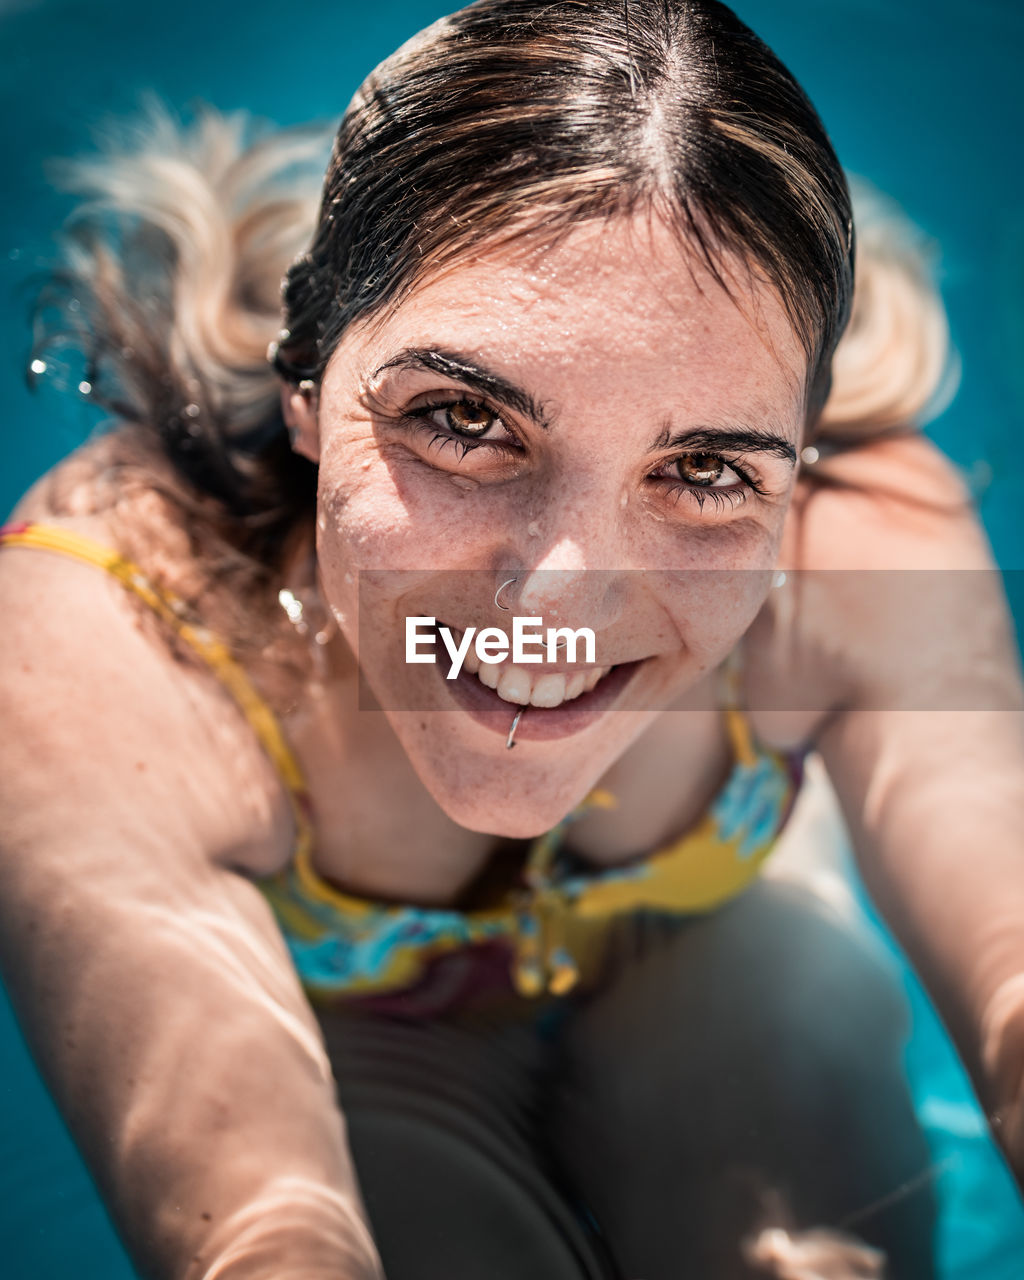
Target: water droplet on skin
{"x": 463, "y": 482}
{"x": 366, "y": 464}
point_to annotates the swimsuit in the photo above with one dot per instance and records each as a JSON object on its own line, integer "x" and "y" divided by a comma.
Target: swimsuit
{"x": 548, "y": 930}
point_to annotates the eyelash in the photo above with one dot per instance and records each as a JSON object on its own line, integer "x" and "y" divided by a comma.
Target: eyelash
{"x": 418, "y": 420}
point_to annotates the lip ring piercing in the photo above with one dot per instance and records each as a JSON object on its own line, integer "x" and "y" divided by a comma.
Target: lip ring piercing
{"x": 510, "y": 740}
{"x": 497, "y": 593}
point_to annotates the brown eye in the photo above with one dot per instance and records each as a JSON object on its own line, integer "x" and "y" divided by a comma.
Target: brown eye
{"x": 469, "y": 419}
{"x": 700, "y": 468}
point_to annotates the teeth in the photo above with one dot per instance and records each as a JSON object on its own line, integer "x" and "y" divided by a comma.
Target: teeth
{"x": 549, "y": 691}
{"x": 576, "y": 684}
{"x": 528, "y": 688}
{"x": 489, "y": 674}
{"x": 525, "y": 688}
{"x": 514, "y": 685}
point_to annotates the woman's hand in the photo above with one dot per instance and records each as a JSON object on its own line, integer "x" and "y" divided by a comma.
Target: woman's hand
{"x": 1002, "y": 1053}
{"x": 813, "y": 1255}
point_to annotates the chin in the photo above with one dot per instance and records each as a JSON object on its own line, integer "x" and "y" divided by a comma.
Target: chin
{"x": 511, "y": 817}
{"x": 484, "y": 787}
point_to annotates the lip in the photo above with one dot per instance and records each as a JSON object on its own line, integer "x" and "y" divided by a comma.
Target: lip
{"x": 538, "y": 724}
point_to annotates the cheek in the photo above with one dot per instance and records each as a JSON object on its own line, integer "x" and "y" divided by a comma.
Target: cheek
{"x": 728, "y": 557}
{"x": 711, "y": 608}
{"x": 365, "y": 521}
{"x": 376, "y": 537}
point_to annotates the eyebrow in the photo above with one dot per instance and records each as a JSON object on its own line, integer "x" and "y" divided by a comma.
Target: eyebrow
{"x": 450, "y": 364}
{"x": 709, "y": 438}
{"x": 712, "y": 439}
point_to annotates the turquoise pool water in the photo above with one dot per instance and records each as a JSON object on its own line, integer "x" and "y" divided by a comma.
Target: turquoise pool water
{"x": 921, "y": 97}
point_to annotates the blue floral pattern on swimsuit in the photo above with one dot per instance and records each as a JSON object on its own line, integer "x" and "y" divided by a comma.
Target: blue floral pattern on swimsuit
{"x": 751, "y": 804}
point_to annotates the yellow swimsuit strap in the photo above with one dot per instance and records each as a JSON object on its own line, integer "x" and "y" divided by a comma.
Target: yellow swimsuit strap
{"x": 730, "y": 699}
{"x": 213, "y": 651}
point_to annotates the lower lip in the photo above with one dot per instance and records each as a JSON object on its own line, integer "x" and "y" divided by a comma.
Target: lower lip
{"x": 538, "y": 724}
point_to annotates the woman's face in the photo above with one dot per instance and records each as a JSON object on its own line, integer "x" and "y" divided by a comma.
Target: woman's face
{"x": 601, "y": 422}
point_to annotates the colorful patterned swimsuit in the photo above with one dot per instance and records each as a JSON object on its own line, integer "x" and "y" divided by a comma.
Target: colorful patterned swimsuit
{"x": 545, "y": 932}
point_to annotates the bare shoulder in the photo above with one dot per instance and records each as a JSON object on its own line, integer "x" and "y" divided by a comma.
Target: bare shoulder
{"x": 103, "y": 720}
{"x": 878, "y": 566}
{"x": 895, "y": 504}
{"x": 111, "y": 484}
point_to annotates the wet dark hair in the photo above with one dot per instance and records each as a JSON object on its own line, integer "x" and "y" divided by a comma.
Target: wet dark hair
{"x": 508, "y": 118}
{"x": 517, "y": 115}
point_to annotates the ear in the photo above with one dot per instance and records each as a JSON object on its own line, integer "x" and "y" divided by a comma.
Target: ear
{"x": 299, "y": 409}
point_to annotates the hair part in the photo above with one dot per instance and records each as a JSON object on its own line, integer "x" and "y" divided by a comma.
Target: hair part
{"x": 681, "y": 112}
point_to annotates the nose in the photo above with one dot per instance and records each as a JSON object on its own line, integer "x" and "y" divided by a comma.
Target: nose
{"x": 565, "y": 588}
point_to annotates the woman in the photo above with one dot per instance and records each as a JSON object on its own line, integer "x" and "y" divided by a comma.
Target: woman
{"x": 565, "y": 345}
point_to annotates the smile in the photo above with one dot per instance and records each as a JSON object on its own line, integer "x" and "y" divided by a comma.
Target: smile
{"x": 526, "y": 688}
{"x": 533, "y": 689}
{"x": 560, "y": 702}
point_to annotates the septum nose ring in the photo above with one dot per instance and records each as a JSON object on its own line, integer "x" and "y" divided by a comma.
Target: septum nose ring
{"x": 507, "y": 583}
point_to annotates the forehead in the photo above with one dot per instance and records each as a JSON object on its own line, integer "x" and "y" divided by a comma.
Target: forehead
{"x": 612, "y": 303}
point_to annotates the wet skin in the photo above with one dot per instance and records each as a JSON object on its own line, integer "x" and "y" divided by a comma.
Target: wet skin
{"x": 547, "y": 413}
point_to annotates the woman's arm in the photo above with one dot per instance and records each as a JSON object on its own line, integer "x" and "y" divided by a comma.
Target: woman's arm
{"x": 148, "y": 975}
{"x": 935, "y": 806}
{"x": 927, "y": 759}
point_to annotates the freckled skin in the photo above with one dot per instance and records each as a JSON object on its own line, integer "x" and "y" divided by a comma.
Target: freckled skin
{"x": 615, "y": 333}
